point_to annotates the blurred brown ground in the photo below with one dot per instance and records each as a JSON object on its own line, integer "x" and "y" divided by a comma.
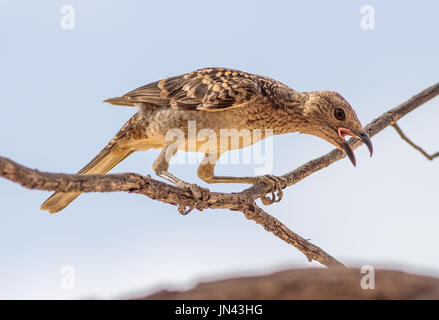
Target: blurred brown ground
{"x": 312, "y": 284}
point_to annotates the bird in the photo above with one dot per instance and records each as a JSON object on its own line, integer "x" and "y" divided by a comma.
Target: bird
{"x": 216, "y": 99}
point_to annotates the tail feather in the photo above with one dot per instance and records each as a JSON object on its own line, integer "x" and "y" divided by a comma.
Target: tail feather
{"x": 120, "y": 101}
{"x": 102, "y": 163}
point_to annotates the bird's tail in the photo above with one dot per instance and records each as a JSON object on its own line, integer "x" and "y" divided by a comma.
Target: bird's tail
{"x": 102, "y": 163}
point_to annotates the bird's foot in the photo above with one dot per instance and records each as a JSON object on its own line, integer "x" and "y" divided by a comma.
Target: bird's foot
{"x": 277, "y": 183}
{"x": 200, "y": 195}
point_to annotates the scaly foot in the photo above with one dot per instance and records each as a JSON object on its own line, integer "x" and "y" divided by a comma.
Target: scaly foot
{"x": 200, "y": 194}
{"x": 277, "y": 183}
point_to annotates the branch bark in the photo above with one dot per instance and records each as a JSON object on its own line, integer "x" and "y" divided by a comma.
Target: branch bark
{"x": 243, "y": 201}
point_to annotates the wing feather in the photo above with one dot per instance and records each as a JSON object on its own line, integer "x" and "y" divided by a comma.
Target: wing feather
{"x": 207, "y": 89}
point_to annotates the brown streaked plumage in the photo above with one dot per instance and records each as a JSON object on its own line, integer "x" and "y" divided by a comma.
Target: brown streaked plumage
{"x": 219, "y": 98}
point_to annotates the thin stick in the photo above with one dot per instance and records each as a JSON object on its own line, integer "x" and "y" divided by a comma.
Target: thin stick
{"x": 415, "y": 146}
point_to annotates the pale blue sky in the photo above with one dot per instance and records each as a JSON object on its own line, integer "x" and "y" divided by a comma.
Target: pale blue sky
{"x": 384, "y": 212}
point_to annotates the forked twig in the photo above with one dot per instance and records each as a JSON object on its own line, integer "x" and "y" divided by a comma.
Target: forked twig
{"x": 415, "y": 146}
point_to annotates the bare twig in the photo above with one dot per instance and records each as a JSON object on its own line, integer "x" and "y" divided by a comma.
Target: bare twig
{"x": 242, "y": 201}
{"x": 415, "y": 146}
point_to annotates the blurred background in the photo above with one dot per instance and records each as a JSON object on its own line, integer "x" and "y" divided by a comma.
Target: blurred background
{"x": 383, "y": 213}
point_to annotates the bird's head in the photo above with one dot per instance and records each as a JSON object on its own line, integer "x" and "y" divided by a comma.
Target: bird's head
{"x": 329, "y": 116}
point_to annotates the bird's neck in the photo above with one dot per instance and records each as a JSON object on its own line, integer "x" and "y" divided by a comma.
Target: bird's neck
{"x": 291, "y": 117}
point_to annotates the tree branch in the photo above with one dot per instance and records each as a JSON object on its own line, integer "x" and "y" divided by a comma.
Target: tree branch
{"x": 415, "y": 146}
{"x": 134, "y": 183}
{"x": 242, "y": 201}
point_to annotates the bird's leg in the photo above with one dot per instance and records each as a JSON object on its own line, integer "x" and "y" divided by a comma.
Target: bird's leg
{"x": 161, "y": 165}
{"x": 206, "y": 171}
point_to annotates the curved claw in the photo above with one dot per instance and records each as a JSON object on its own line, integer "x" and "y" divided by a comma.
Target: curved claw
{"x": 267, "y": 200}
{"x": 183, "y": 210}
{"x": 200, "y": 195}
{"x": 280, "y": 193}
{"x": 280, "y": 184}
{"x": 277, "y": 184}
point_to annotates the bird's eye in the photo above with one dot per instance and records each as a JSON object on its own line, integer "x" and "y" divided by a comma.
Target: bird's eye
{"x": 339, "y": 114}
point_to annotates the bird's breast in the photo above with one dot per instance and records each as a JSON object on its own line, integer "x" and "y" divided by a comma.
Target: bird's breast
{"x": 201, "y": 131}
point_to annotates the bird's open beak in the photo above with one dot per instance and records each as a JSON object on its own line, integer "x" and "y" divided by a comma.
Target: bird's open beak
{"x": 343, "y": 132}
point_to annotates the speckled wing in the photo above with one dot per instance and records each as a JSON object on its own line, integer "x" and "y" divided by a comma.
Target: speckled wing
{"x": 207, "y": 89}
